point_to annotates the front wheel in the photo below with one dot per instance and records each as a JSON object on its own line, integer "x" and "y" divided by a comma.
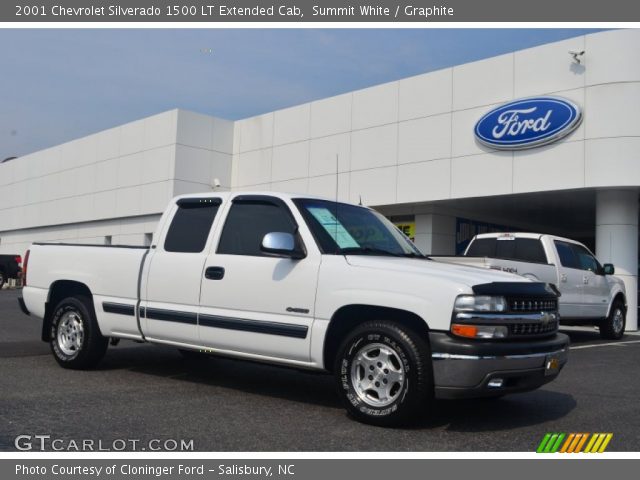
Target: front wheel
{"x": 384, "y": 374}
{"x": 76, "y": 341}
{"x": 613, "y": 326}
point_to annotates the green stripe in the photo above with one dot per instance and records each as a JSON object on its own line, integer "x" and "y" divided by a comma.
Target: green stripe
{"x": 550, "y": 443}
{"x": 543, "y": 443}
{"x": 558, "y": 443}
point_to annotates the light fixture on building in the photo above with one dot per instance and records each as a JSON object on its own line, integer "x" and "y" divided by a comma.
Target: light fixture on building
{"x": 576, "y": 54}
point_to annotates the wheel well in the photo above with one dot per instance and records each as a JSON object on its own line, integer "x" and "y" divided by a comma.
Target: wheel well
{"x": 59, "y": 290}
{"x": 348, "y": 317}
{"x": 620, "y": 296}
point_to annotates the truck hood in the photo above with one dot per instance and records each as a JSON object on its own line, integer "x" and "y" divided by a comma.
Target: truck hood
{"x": 462, "y": 274}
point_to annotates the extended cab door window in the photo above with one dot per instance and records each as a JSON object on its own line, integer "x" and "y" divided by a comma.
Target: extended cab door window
{"x": 191, "y": 224}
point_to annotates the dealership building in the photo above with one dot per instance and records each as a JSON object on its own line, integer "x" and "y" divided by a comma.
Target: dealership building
{"x": 409, "y": 148}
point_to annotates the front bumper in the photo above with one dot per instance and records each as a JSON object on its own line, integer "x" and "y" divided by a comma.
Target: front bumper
{"x": 477, "y": 368}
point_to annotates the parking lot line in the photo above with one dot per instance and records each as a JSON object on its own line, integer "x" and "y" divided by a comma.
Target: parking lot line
{"x": 612, "y": 344}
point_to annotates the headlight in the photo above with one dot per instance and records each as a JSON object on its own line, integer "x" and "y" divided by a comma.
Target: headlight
{"x": 479, "y": 331}
{"x": 480, "y": 303}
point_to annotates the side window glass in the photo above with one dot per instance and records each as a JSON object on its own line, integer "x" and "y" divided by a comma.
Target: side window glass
{"x": 190, "y": 225}
{"x": 566, "y": 254}
{"x": 586, "y": 261}
{"x": 247, "y": 224}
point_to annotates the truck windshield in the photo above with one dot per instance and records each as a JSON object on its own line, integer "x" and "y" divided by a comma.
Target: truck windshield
{"x": 344, "y": 229}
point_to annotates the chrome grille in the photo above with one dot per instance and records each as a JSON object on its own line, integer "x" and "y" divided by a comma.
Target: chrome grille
{"x": 532, "y": 305}
{"x": 537, "y": 328}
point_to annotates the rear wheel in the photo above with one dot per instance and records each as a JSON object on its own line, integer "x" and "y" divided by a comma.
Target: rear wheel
{"x": 75, "y": 339}
{"x": 384, "y": 375}
{"x": 613, "y": 326}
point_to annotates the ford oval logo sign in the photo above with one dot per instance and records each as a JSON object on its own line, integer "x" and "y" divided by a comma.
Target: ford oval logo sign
{"x": 528, "y": 123}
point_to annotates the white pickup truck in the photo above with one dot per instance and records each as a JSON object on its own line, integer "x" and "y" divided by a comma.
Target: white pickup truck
{"x": 304, "y": 282}
{"x": 590, "y": 294}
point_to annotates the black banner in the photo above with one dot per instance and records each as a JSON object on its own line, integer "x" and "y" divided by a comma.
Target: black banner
{"x": 315, "y": 469}
{"x": 419, "y": 11}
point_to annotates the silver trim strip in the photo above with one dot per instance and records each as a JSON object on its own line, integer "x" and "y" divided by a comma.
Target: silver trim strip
{"x": 452, "y": 356}
{"x": 507, "y": 318}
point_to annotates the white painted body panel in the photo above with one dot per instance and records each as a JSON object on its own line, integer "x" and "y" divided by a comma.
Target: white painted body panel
{"x": 261, "y": 289}
{"x": 111, "y": 274}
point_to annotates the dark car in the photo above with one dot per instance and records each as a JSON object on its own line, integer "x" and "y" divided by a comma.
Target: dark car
{"x": 10, "y": 267}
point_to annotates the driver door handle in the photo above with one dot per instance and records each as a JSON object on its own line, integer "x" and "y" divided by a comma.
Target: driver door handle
{"x": 214, "y": 273}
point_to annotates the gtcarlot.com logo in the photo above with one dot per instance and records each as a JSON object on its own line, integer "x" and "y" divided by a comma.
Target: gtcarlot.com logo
{"x": 574, "y": 443}
{"x": 45, "y": 443}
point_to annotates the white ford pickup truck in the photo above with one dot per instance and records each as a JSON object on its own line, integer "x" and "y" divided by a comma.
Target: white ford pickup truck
{"x": 309, "y": 283}
{"x": 590, "y": 294}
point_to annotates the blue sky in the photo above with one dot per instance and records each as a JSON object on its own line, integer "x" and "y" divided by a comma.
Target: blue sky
{"x": 57, "y": 85}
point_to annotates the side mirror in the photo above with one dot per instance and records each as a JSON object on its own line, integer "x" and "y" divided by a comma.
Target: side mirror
{"x": 281, "y": 244}
{"x": 608, "y": 269}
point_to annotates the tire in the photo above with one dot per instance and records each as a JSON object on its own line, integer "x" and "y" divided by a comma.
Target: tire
{"x": 379, "y": 351}
{"x": 2, "y": 280}
{"x": 613, "y": 326}
{"x": 75, "y": 339}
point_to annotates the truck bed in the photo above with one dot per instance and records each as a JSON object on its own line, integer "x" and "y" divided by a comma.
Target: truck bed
{"x": 534, "y": 271}
{"x": 111, "y": 272}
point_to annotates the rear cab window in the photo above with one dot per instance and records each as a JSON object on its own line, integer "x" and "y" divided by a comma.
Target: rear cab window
{"x": 509, "y": 248}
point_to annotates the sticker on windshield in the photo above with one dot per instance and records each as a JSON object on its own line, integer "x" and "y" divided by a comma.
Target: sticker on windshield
{"x": 333, "y": 227}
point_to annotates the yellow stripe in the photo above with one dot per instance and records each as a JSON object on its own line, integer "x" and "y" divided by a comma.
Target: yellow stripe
{"x": 596, "y": 445}
{"x": 567, "y": 442}
{"x": 590, "y": 444}
{"x": 584, "y": 439}
{"x": 574, "y": 443}
{"x": 607, "y": 439}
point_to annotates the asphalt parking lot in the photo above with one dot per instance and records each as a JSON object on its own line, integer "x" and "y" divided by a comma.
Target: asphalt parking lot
{"x": 148, "y": 392}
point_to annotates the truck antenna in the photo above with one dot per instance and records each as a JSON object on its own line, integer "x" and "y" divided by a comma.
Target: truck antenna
{"x": 335, "y": 236}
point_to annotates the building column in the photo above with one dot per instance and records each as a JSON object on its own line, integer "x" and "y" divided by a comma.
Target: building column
{"x": 436, "y": 234}
{"x": 617, "y": 241}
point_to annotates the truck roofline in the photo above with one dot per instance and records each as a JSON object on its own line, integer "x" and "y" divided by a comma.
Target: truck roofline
{"x": 227, "y": 195}
{"x": 526, "y": 235}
